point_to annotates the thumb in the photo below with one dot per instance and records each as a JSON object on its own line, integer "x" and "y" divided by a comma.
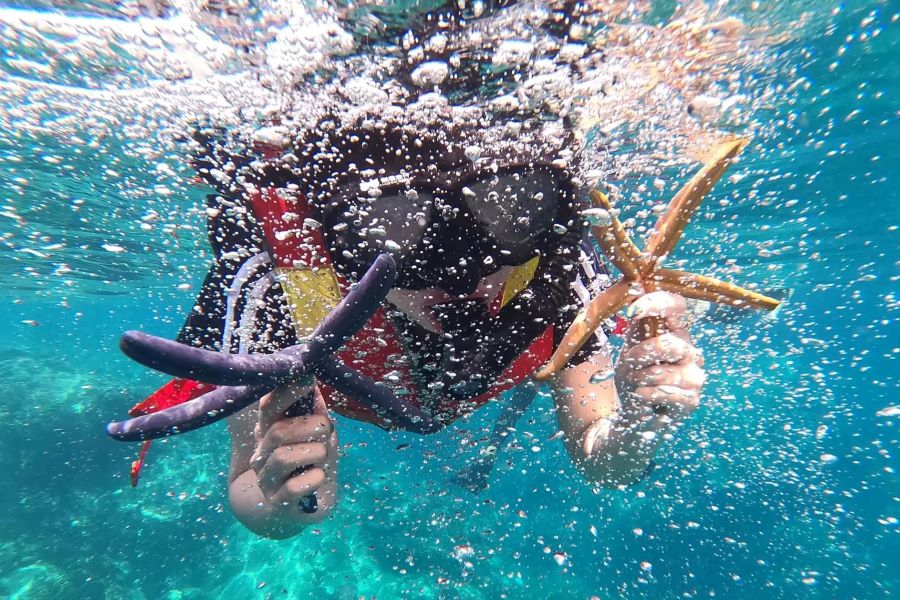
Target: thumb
{"x": 655, "y": 313}
{"x": 273, "y": 407}
{"x": 671, "y": 308}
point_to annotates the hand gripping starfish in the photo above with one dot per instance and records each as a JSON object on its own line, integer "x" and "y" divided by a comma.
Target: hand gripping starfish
{"x": 642, "y": 272}
{"x": 244, "y": 378}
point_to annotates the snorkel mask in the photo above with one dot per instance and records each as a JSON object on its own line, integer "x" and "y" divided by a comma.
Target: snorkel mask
{"x": 447, "y": 223}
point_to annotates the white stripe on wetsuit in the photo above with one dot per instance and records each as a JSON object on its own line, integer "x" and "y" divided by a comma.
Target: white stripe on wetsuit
{"x": 243, "y": 275}
{"x": 597, "y": 283}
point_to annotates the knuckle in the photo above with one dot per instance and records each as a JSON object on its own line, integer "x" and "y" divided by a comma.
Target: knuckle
{"x": 643, "y": 393}
{"x": 678, "y": 319}
{"x": 671, "y": 340}
{"x": 281, "y": 457}
{"x": 288, "y": 431}
{"x": 306, "y": 482}
{"x": 276, "y": 432}
{"x": 320, "y": 423}
{"x": 673, "y": 346}
{"x": 310, "y": 453}
{"x": 257, "y": 462}
{"x": 701, "y": 378}
{"x": 318, "y": 428}
{"x": 688, "y": 402}
{"x": 296, "y": 486}
{"x": 661, "y": 344}
{"x": 320, "y": 451}
{"x": 265, "y": 402}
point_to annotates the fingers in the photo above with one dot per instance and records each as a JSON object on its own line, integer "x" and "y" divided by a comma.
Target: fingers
{"x": 665, "y": 371}
{"x": 687, "y": 375}
{"x": 283, "y": 437}
{"x": 297, "y": 455}
{"x": 286, "y": 461}
{"x": 273, "y": 406}
{"x": 668, "y": 348}
{"x": 678, "y": 402}
{"x": 299, "y": 486}
{"x": 297, "y": 430}
{"x": 670, "y": 307}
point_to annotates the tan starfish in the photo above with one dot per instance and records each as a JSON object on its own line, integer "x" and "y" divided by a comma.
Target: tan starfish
{"x": 642, "y": 272}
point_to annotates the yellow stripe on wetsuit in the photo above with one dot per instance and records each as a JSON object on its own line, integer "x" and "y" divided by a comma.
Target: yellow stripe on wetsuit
{"x": 518, "y": 279}
{"x": 311, "y": 295}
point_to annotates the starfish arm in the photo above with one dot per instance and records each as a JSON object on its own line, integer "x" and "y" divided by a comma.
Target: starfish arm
{"x": 614, "y": 252}
{"x": 702, "y": 287}
{"x": 651, "y": 327}
{"x": 625, "y": 246}
{"x": 587, "y": 322}
{"x": 672, "y": 223}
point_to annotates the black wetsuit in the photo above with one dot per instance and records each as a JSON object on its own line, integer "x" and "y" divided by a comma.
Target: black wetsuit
{"x": 475, "y": 346}
{"x": 236, "y": 236}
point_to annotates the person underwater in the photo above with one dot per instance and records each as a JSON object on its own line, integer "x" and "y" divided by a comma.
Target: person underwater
{"x": 493, "y": 267}
{"x": 448, "y": 150}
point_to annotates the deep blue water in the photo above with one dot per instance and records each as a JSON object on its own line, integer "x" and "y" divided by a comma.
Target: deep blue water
{"x": 743, "y": 504}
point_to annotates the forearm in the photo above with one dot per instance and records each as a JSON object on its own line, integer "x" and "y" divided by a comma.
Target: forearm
{"x": 618, "y": 450}
{"x": 257, "y": 514}
{"x": 610, "y": 444}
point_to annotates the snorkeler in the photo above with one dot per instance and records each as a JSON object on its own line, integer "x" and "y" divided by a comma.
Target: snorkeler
{"x": 480, "y": 214}
{"x": 490, "y": 252}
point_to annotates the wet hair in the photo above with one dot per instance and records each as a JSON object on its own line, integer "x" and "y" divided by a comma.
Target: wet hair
{"x": 329, "y": 155}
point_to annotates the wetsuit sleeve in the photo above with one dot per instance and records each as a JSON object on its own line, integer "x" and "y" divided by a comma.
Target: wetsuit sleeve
{"x": 235, "y": 238}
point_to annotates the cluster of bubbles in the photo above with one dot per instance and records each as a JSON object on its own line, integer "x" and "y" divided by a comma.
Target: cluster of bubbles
{"x": 786, "y": 484}
{"x": 123, "y": 87}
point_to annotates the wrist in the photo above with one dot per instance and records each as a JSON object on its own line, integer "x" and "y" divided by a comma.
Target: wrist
{"x": 634, "y": 434}
{"x": 616, "y": 454}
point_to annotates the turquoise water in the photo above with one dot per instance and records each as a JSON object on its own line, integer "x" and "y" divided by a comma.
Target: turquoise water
{"x": 782, "y": 486}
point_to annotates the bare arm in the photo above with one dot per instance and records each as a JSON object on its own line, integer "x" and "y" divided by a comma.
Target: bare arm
{"x": 603, "y": 441}
{"x": 615, "y": 419}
